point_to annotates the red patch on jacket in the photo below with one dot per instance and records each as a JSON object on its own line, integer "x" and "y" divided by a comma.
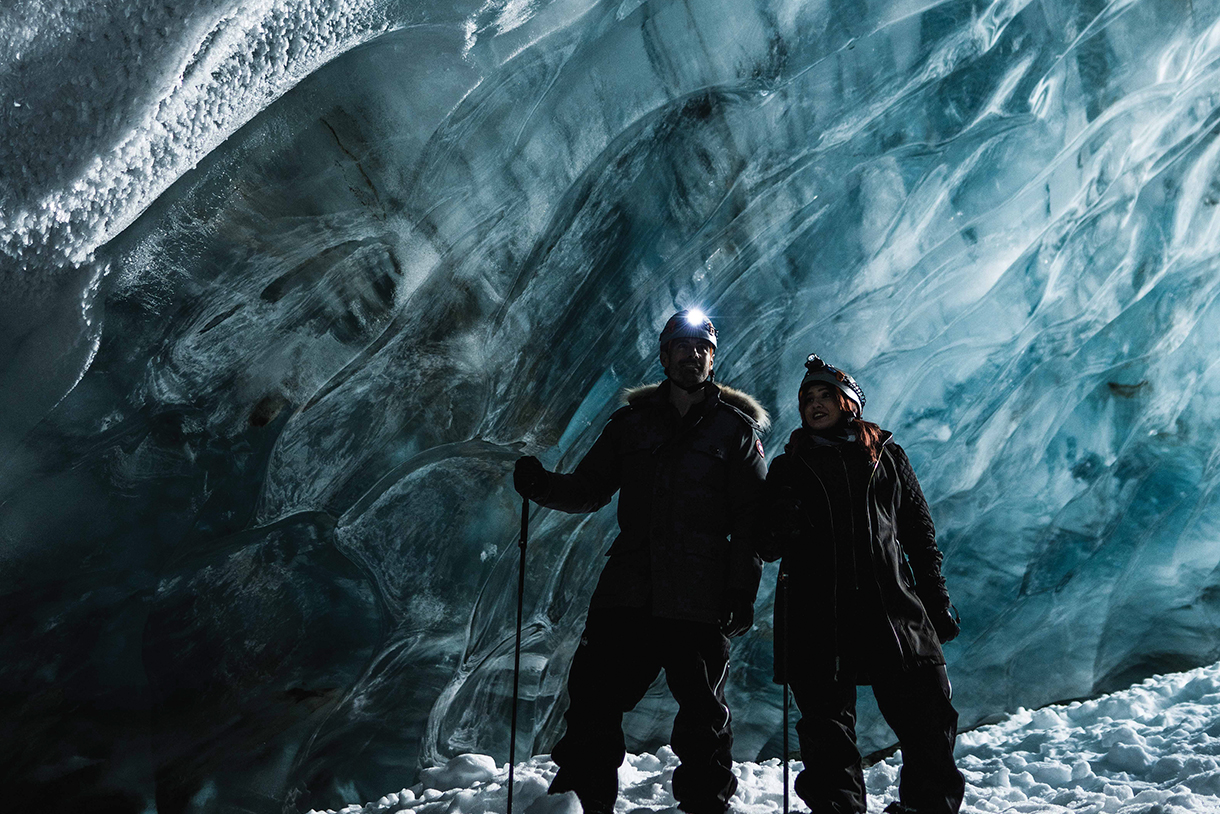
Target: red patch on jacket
{"x": 759, "y": 449}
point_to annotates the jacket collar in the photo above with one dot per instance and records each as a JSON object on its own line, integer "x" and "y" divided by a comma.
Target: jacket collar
{"x": 805, "y": 437}
{"x": 739, "y": 400}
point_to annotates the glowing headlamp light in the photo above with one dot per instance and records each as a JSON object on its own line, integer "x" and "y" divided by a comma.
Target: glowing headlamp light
{"x": 693, "y": 323}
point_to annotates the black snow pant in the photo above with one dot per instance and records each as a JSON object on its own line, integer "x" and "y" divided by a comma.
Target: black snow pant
{"x": 915, "y": 703}
{"x": 620, "y": 655}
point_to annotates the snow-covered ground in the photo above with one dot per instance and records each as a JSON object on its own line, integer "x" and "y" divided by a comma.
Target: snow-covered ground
{"x": 1152, "y": 749}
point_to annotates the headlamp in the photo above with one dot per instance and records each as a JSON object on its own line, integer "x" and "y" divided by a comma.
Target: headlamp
{"x": 818, "y": 371}
{"x": 693, "y": 323}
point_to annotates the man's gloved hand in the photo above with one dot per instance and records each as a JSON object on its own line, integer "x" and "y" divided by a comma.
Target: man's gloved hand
{"x": 530, "y": 477}
{"x": 740, "y": 616}
{"x": 788, "y": 520}
{"x": 947, "y": 624}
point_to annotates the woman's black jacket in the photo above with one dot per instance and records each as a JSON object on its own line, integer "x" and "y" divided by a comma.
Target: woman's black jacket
{"x": 859, "y": 551}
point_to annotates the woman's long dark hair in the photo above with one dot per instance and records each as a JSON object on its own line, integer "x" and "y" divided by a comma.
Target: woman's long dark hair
{"x": 868, "y": 435}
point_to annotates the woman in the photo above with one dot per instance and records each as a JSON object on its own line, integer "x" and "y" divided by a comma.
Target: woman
{"x": 866, "y": 603}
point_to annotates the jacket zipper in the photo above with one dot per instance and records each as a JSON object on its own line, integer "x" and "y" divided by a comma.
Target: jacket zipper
{"x": 834, "y": 565}
{"x": 869, "y": 506}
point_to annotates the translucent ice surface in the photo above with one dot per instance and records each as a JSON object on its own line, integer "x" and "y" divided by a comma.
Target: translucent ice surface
{"x": 258, "y": 535}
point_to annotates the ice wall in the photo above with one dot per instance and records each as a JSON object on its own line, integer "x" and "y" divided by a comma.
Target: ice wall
{"x": 263, "y": 552}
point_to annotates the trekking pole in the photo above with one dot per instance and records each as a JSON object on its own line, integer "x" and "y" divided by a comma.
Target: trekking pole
{"x": 512, "y": 735}
{"x": 783, "y": 598}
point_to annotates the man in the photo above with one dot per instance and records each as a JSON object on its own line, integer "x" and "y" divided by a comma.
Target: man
{"x": 681, "y": 577}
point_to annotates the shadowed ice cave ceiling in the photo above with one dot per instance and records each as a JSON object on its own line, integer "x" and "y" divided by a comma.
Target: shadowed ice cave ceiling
{"x": 263, "y": 553}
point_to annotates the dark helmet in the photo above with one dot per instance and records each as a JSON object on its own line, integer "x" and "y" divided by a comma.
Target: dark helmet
{"x": 818, "y": 371}
{"x": 689, "y": 322}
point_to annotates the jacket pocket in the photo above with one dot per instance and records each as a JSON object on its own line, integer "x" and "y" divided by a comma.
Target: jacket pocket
{"x": 705, "y": 466}
{"x": 714, "y": 451}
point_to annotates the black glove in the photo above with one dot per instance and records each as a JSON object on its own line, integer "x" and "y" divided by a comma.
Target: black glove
{"x": 530, "y": 478}
{"x": 789, "y": 522}
{"x": 740, "y": 617}
{"x": 947, "y": 624}
{"x": 788, "y": 519}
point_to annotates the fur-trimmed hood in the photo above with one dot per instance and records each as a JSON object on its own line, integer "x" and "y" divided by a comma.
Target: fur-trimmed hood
{"x": 740, "y": 400}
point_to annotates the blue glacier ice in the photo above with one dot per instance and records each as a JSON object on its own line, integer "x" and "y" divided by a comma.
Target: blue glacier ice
{"x": 289, "y": 285}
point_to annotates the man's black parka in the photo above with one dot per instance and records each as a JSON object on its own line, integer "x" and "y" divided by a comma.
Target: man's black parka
{"x": 689, "y": 488}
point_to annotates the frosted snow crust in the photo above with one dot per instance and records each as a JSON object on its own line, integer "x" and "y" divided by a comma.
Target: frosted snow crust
{"x": 102, "y": 107}
{"x": 1155, "y": 747}
{"x": 105, "y": 105}
{"x": 293, "y": 401}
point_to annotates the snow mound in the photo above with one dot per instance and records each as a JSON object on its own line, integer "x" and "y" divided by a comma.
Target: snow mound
{"x": 1152, "y": 749}
{"x": 462, "y": 772}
